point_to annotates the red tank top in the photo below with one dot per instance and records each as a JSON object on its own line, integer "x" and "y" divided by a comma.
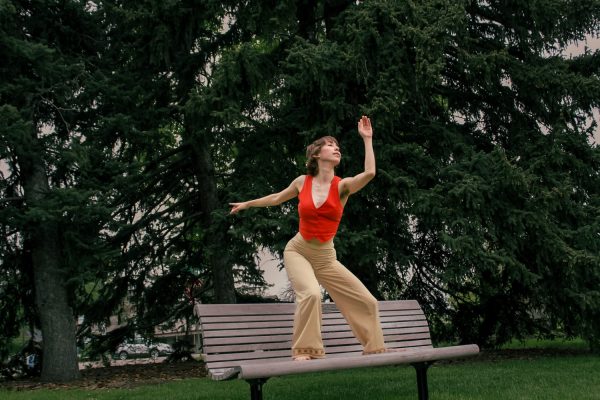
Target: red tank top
{"x": 321, "y": 223}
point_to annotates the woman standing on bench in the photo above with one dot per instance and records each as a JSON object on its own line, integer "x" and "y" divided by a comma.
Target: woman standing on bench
{"x": 310, "y": 257}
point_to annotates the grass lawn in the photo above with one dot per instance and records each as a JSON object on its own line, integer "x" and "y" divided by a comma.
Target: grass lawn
{"x": 560, "y": 377}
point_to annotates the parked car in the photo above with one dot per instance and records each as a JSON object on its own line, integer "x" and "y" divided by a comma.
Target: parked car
{"x": 142, "y": 349}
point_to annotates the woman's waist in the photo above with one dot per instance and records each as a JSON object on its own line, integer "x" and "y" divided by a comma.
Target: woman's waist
{"x": 313, "y": 241}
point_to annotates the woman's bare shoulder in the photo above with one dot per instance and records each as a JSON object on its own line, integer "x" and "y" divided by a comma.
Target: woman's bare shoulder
{"x": 299, "y": 182}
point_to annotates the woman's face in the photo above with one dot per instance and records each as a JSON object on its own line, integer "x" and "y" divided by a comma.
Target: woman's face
{"x": 330, "y": 151}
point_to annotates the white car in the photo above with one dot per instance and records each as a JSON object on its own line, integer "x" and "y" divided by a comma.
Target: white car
{"x": 142, "y": 349}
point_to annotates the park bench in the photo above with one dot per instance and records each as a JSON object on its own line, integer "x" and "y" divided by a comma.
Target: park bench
{"x": 253, "y": 342}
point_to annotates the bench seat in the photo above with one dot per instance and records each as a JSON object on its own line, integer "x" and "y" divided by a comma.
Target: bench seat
{"x": 253, "y": 370}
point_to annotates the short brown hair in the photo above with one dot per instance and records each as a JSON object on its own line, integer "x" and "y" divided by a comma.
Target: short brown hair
{"x": 312, "y": 167}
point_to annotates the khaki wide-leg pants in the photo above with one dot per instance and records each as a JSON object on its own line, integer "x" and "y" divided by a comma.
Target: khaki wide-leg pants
{"x": 310, "y": 263}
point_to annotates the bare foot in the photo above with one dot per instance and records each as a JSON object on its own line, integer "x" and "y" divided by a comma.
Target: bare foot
{"x": 301, "y": 358}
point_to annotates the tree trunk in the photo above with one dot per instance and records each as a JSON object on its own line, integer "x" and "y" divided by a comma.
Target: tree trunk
{"x": 60, "y": 362}
{"x": 223, "y": 278}
{"x": 222, "y": 270}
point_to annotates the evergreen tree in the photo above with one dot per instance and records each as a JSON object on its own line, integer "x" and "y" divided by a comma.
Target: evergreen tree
{"x": 152, "y": 54}
{"x": 46, "y": 47}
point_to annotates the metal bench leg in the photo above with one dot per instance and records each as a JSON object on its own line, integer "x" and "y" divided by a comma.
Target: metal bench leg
{"x": 256, "y": 388}
{"x": 421, "y": 369}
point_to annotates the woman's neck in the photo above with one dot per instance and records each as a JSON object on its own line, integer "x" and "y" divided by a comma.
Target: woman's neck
{"x": 325, "y": 174}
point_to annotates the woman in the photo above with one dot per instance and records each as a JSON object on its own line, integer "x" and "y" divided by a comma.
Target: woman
{"x": 310, "y": 257}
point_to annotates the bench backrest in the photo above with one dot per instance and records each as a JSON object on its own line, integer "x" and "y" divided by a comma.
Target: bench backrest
{"x": 235, "y": 334}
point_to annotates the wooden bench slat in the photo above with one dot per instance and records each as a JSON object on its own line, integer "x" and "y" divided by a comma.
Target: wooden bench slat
{"x": 230, "y": 364}
{"x": 401, "y": 329}
{"x": 416, "y": 311}
{"x": 207, "y": 310}
{"x": 399, "y": 338}
{"x": 290, "y": 317}
{"x": 406, "y": 336}
{"x": 358, "y": 348}
{"x": 324, "y": 329}
{"x": 382, "y": 306}
{"x": 395, "y": 318}
{"x": 247, "y": 347}
{"x": 415, "y": 329}
{"x": 246, "y": 325}
{"x": 325, "y": 321}
{"x": 248, "y": 318}
{"x": 290, "y": 323}
{"x": 399, "y": 305}
{"x": 217, "y": 310}
{"x": 389, "y": 331}
{"x": 409, "y": 344}
{"x": 390, "y": 313}
{"x": 247, "y": 332}
{"x": 246, "y": 340}
{"x": 250, "y": 355}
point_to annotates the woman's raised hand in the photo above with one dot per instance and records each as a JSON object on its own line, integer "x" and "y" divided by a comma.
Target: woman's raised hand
{"x": 364, "y": 127}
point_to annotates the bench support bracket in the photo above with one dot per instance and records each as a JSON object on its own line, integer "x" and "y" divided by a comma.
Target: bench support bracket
{"x": 421, "y": 369}
{"x": 256, "y": 388}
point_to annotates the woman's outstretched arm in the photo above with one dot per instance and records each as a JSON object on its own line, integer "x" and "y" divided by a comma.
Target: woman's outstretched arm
{"x": 354, "y": 184}
{"x": 273, "y": 199}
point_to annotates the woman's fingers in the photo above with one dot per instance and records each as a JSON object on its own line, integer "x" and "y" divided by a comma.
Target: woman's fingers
{"x": 364, "y": 121}
{"x": 364, "y": 126}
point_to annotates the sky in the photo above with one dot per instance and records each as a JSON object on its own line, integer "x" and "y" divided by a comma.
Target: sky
{"x": 575, "y": 49}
